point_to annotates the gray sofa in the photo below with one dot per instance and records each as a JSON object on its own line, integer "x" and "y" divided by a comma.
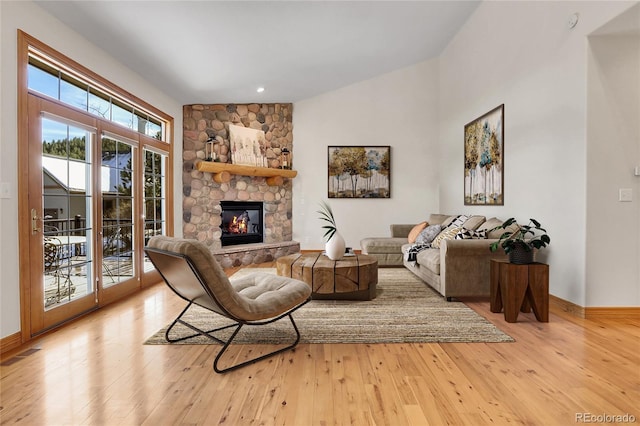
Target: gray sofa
{"x": 458, "y": 268}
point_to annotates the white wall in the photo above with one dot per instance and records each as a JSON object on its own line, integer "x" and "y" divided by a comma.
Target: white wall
{"x": 396, "y": 109}
{"x": 613, "y": 150}
{"x": 32, "y": 19}
{"x": 522, "y": 54}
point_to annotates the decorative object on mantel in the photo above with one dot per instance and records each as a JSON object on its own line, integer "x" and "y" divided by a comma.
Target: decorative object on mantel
{"x": 247, "y": 146}
{"x": 359, "y": 172}
{"x": 210, "y": 153}
{"x": 285, "y": 163}
{"x": 222, "y": 172}
{"x": 484, "y": 159}
{"x": 515, "y": 242}
{"x": 335, "y": 246}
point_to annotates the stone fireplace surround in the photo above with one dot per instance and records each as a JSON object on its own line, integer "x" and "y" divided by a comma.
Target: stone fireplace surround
{"x": 202, "y": 195}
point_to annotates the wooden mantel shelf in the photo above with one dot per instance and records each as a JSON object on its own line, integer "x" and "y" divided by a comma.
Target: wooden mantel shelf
{"x": 222, "y": 172}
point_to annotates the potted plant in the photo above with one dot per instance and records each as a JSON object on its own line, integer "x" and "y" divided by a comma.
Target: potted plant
{"x": 334, "y": 248}
{"x": 519, "y": 243}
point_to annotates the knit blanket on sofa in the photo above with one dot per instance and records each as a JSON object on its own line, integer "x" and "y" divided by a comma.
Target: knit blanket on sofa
{"x": 412, "y": 252}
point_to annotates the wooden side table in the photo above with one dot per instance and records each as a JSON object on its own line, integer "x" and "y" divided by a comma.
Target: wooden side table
{"x": 519, "y": 288}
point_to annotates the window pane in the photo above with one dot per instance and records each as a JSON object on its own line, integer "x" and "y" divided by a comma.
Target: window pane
{"x": 78, "y": 145}
{"x": 43, "y": 81}
{"x": 148, "y": 161}
{"x": 125, "y": 212}
{"x": 140, "y": 122}
{"x": 54, "y": 138}
{"x": 71, "y": 93}
{"x": 99, "y": 104}
{"x": 122, "y": 116}
{"x": 154, "y": 202}
{"x": 154, "y": 129}
{"x": 117, "y": 214}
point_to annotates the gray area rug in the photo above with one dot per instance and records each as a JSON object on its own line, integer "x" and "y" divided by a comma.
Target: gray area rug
{"x": 406, "y": 310}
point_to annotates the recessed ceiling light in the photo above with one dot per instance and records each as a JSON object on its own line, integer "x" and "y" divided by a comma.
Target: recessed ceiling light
{"x": 260, "y": 89}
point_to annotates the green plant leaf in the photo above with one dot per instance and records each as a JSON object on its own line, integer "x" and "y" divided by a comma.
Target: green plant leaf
{"x": 508, "y": 222}
{"x": 326, "y": 215}
{"x": 509, "y": 240}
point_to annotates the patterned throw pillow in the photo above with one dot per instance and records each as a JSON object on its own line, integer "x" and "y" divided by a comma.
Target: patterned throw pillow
{"x": 447, "y": 234}
{"x": 415, "y": 231}
{"x": 428, "y": 234}
{"x": 467, "y": 234}
{"x": 457, "y": 221}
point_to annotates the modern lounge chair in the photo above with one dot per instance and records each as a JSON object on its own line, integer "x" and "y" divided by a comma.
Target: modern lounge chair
{"x": 191, "y": 271}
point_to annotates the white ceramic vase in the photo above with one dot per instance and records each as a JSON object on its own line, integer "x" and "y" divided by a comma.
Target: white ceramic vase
{"x": 335, "y": 247}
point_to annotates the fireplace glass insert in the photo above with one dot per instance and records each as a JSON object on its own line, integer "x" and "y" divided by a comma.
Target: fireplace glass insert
{"x": 241, "y": 222}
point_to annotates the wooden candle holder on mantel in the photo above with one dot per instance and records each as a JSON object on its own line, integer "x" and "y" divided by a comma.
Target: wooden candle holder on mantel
{"x": 222, "y": 172}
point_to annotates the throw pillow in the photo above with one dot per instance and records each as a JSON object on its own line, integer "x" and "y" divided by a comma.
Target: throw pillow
{"x": 413, "y": 234}
{"x": 428, "y": 234}
{"x": 474, "y": 222}
{"x": 468, "y": 234}
{"x": 447, "y": 234}
{"x": 455, "y": 221}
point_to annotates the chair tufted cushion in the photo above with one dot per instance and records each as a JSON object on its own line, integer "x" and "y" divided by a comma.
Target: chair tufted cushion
{"x": 254, "y": 297}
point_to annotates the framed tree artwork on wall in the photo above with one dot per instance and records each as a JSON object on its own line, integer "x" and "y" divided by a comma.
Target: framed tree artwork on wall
{"x": 359, "y": 172}
{"x": 484, "y": 159}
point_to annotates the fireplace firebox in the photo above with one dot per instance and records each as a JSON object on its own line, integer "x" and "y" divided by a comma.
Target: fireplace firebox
{"x": 242, "y": 222}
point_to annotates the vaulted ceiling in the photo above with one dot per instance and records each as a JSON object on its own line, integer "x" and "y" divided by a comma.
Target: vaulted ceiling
{"x": 222, "y": 51}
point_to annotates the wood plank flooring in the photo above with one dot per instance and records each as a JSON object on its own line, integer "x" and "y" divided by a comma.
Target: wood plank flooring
{"x": 97, "y": 371}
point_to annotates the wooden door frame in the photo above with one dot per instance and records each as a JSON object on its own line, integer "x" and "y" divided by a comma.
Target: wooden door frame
{"x": 25, "y": 42}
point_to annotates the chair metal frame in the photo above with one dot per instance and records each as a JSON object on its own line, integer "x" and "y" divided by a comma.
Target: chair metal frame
{"x": 52, "y": 256}
{"x": 155, "y": 255}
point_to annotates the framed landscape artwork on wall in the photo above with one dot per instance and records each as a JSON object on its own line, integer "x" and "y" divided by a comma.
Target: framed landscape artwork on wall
{"x": 484, "y": 159}
{"x": 359, "y": 172}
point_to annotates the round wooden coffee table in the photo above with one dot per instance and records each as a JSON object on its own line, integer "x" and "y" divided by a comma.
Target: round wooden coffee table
{"x": 352, "y": 277}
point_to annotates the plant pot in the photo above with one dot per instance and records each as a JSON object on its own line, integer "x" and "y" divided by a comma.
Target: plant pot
{"x": 521, "y": 254}
{"x": 334, "y": 249}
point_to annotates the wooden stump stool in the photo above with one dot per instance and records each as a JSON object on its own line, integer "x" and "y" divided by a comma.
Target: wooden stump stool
{"x": 519, "y": 288}
{"x": 353, "y": 277}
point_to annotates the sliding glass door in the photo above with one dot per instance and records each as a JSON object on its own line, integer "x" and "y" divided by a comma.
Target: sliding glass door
{"x": 94, "y": 186}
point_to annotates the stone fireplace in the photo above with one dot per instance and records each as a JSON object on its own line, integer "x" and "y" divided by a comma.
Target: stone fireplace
{"x": 203, "y": 196}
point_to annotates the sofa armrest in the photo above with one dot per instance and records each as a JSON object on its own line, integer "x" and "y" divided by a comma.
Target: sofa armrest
{"x": 474, "y": 247}
{"x": 400, "y": 230}
{"x": 465, "y": 265}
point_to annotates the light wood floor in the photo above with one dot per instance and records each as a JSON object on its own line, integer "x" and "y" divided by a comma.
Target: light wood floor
{"x": 97, "y": 371}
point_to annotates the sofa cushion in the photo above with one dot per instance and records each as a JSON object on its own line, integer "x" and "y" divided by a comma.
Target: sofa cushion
{"x": 446, "y": 234}
{"x": 382, "y": 245}
{"x": 430, "y": 259}
{"x": 413, "y": 234}
{"x": 474, "y": 222}
{"x": 428, "y": 234}
{"x": 435, "y": 218}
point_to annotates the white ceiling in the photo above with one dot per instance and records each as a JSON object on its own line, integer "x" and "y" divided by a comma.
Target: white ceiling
{"x": 222, "y": 51}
